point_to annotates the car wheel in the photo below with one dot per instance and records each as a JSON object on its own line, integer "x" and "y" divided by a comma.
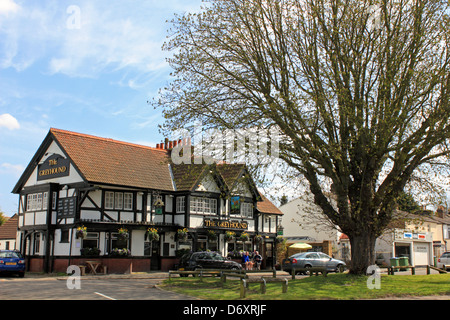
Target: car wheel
{"x": 307, "y": 271}
{"x": 21, "y": 274}
{"x": 339, "y": 268}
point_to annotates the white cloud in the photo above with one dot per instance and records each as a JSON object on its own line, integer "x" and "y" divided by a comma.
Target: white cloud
{"x": 8, "y": 6}
{"x": 98, "y": 38}
{"x": 9, "y": 122}
{"x": 14, "y": 169}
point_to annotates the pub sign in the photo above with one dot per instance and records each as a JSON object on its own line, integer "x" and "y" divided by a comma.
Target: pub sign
{"x": 56, "y": 166}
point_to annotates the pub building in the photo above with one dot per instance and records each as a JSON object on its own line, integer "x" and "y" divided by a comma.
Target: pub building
{"x": 129, "y": 207}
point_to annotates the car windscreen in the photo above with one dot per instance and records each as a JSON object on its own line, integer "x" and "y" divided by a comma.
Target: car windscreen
{"x": 10, "y": 254}
{"x": 217, "y": 257}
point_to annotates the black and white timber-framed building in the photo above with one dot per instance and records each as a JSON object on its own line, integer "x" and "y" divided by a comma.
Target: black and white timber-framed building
{"x": 116, "y": 191}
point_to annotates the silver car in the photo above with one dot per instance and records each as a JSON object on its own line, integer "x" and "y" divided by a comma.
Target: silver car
{"x": 312, "y": 259}
{"x": 443, "y": 261}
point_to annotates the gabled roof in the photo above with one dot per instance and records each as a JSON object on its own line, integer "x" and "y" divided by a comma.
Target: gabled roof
{"x": 266, "y": 206}
{"x": 8, "y": 230}
{"x": 186, "y": 176}
{"x": 108, "y": 161}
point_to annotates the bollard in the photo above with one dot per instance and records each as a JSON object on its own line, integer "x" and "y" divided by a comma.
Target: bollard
{"x": 263, "y": 286}
{"x": 293, "y": 273}
{"x": 285, "y": 286}
{"x": 243, "y": 288}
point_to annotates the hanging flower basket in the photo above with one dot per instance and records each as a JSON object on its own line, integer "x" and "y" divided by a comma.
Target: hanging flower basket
{"x": 279, "y": 239}
{"x": 152, "y": 234}
{"x": 81, "y": 232}
{"x": 212, "y": 236}
{"x": 258, "y": 238}
{"x": 229, "y": 236}
{"x": 244, "y": 236}
{"x": 123, "y": 234}
{"x": 182, "y": 234}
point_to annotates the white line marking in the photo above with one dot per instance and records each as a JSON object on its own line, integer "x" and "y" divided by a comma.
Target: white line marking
{"x": 105, "y": 296}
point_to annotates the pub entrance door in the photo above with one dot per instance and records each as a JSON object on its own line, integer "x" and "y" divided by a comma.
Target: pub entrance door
{"x": 268, "y": 255}
{"x": 155, "y": 262}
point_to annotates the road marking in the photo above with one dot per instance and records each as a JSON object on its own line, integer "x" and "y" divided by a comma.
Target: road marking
{"x": 105, "y": 296}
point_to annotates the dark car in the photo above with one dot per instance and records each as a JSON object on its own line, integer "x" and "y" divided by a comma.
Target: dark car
{"x": 12, "y": 262}
{"x": 206, "y": 260}
{"x": 308, "y": 260}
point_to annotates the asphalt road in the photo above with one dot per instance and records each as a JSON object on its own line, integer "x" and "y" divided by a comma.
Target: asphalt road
{"x": 89, "y": 289}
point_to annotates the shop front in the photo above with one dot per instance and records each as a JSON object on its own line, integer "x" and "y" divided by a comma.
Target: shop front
{"x": 417, "y": 247}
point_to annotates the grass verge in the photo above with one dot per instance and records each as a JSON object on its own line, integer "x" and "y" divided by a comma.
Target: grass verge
{"x": 335, "y": 287}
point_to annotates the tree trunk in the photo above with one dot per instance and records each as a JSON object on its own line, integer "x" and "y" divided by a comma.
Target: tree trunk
{"x": 363, "y": 252}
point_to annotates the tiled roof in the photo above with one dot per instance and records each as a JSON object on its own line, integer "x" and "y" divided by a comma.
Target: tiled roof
{"x": 266, "y": 206}
{"x": 8, "y": 230}
{"x": 108, "y": 161}
{"x": 185, "y": 176}
{"x": 230, "y": 172}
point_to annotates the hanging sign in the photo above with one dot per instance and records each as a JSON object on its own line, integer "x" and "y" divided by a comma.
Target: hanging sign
{"x": 55, "y": 166}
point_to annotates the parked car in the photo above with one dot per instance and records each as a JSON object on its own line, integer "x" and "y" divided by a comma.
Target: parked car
{"x": 312, "y": 259}
{"x": 206, "y": 260}
{"x": 444, "y": 261}
{"x": 12, "y": 262}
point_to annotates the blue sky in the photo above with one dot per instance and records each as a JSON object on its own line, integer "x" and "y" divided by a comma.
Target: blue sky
{"x": 84, "y": 66}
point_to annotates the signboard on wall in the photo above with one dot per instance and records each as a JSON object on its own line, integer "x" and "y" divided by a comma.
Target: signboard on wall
{"x": 55, "y": 166}
{"x": 66, "y": 207}
{"x": 225, "y": 224}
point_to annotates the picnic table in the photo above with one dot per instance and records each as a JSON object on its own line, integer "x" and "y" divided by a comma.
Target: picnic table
{"x": 93, "y": 266}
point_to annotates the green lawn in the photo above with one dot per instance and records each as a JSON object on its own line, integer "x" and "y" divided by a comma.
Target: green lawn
{"x": 335, "y": 286}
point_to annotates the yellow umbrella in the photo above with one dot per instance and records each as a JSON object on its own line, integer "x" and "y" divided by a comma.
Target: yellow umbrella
{"x": 300, "y": 245}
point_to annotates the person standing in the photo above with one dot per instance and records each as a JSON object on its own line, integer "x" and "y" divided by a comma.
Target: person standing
{"x": 257, "y": 260}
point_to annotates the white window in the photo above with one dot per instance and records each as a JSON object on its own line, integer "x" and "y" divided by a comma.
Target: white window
{"x": 247, "y": 209}
{"x": 181, "y": 204}
{"x": 203, "y": 205}
{"x": 109, "y": 200}
{"x": 35, "y": 201}
{"x": 118, "y": 200}
{"x": 45, "y": 201}
{"x": 29, "y": 201}
{"x": 54, "y": 202}
{"x": 213, "y": 206}
{"x": 128, "y": 201}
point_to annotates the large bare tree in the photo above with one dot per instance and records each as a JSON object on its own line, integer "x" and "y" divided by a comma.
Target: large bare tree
{"x": 358, "y": 88}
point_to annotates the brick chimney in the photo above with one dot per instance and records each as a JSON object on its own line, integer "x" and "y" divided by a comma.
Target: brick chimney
{"x": 169, "y": 145}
